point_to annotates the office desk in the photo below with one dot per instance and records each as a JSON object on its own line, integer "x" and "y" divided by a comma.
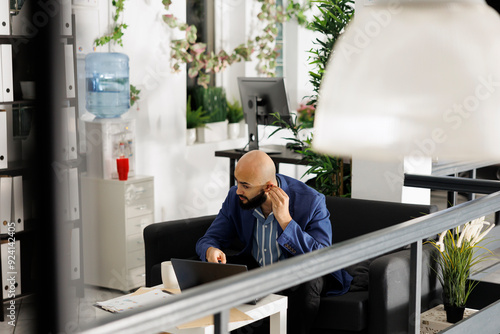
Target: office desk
{"x": 283, "y": 155}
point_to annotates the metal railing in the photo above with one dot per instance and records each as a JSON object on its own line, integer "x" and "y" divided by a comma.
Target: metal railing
{"x": 218, "y": 297}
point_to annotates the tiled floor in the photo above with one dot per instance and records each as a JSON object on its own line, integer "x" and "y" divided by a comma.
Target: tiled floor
{"x": 85, "y": 313}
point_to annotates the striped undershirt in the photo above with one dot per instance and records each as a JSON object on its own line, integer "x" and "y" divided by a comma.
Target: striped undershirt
{"x": 265, "y": 248}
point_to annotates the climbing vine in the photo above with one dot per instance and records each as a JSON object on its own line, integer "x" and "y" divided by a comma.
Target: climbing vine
{"x": 117, "y": 33}
{"x": 189, "y": 51}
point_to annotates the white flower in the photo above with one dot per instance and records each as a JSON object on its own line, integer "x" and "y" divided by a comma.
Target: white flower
{"x": 440, "y": 242}
{"x": 482, "y": 235}
{"x": 462, "y": 235}
{"x": 471, "y": 231}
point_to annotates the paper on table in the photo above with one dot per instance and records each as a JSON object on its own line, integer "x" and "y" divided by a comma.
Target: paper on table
{"x": 234, "y": 316}
{"x": 144, "y": 296}
{"x": 138, "y": 299}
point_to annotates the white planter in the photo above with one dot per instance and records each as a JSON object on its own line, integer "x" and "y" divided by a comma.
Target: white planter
{"x": 212, "y": 132}
{"x": 233, "y": 130}
{"x": 190, "y": 136}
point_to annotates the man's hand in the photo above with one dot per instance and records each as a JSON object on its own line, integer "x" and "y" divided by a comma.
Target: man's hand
{"x": 215, "y": 255}
{"x": 280, "y": 200}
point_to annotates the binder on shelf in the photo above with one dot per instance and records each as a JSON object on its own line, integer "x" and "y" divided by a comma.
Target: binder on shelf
{"x": 11, "y": 271}
{"x": 5, "y": 203}
{"x": 66, "y": 24}
{"x": 3, "y": 140}
{"x": 75, "y": 254}
{"x": 69, "y": 68}
{"x": 63, "y": 199}
{"x": 17, "y": 203}
{"x": 74, "y": 194}
{"x": 4, "y": 17}
{"x": 63, "y": 149}
{"x": 69, "y": 133}
{"x": 7, "y": 82}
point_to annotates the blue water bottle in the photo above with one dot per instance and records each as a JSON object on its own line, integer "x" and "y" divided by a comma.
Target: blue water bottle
{"x": 107, "y": 80}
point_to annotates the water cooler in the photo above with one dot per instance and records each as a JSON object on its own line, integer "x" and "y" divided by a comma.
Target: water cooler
{"x": 109, "y": 136}
{"x": 115, "y": 209}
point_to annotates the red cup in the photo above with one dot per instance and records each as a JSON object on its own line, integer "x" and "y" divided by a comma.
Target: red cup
{"x": 122, "y": 168}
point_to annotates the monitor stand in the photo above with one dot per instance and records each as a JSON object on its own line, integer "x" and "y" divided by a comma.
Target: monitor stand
{"x": 253, "y": 130}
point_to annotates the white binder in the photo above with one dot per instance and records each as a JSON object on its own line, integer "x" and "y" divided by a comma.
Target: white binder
{"x": 71, "y": 132}
{"x": 75, "y": 253}
{"x": 11, "y": 272}
{"x": 4, "y": 17}
{"x": 7, "y": 82}
{"x": 17, "y": 203}
{"x": 70, "y": 71}
{"x": 3, "y": 140}
{"x": 74, "y": 194}
{"x": 63, "y": 199}
{"x": 63, "y": 145}
{"x": 66, "y": 24}
{"x": 5, "y": 204}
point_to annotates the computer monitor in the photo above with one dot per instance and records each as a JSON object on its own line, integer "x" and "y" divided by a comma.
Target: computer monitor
{"x": 260, "y": 98}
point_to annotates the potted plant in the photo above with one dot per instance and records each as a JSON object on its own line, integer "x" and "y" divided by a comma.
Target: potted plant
{"x": 234, "y": 117}
{"x": 306, "y": 115}
{"x": 292, "y": 125}
{"x": 213, "y": 102}
{"x": 194, "y": 119}
{"x": 456, "y": 260}
{"x": 331, "y": 175}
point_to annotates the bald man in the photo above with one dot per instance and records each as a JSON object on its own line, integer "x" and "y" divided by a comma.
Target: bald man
{"x": 275, "y": 217}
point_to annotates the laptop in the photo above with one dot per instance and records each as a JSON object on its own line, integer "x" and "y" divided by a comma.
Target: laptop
{"x": 191, "y": 273}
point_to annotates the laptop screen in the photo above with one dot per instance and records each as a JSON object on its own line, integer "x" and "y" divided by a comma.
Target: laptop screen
{"x": 192, "y": 273}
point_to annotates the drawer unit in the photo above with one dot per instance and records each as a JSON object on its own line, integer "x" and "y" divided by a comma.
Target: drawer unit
{"x": 135, "y": 242}
{"x": 136, "y": 259}
{"x": 140, "y": 207}
{"x": 115, "y": 215}
{"x": 137, "y": 224}
{"x": 136, "y": 276}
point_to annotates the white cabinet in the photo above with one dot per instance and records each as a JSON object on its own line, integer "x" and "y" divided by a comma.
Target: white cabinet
{"x": 114, "y": 217}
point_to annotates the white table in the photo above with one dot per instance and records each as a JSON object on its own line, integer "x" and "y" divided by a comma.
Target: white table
{"x": 273, "y": 306}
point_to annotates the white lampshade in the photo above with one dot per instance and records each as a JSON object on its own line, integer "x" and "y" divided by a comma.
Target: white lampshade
{"x": 414, "y": 79}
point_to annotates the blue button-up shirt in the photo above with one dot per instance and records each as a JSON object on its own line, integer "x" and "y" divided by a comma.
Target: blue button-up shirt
{"x": 265, "y": 248}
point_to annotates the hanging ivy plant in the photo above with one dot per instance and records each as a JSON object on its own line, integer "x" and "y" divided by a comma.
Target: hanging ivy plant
{"x": 117, "y": 33}
{"x": 188, "y": 50}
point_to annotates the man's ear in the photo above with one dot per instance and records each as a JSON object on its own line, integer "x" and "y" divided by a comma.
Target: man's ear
{"x": 268, "y": 186}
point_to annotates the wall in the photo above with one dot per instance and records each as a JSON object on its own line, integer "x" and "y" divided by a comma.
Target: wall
{"x": 189, "y": 180}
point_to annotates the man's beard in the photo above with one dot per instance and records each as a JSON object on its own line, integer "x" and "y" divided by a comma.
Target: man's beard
{"x": 254, "y": 202}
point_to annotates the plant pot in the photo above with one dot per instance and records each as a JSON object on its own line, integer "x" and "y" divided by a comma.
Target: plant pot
{"x": 233, "y": 130}
{"x": 190, "y": 136}
{"x": 454, "y": 313}
{"x": 216, "y": 131}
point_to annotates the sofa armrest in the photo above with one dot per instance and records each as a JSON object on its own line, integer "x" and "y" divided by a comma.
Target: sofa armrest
{"x": 173, "y": 239}
{"x": 389, "y": 289}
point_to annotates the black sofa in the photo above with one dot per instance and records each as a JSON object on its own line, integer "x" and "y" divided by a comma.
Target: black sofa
{"x": 379, "y": 296}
